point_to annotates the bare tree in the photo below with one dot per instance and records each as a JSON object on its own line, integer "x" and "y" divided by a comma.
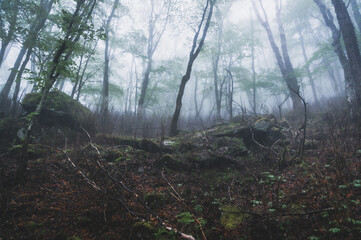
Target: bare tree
{"x": 154, "y": 37}
{"x": 283, "y": 59}
{"x": 350, "y": 87}
{"x": 196, "y": 48}
{"x": 104, "y": 106}
{"x": 353, "y": 54}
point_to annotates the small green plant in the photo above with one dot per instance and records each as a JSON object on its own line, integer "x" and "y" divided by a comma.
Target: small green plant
{"x": 313, "y": 238}
{"x": 198, "y": 208}
{"x": 334, "y": 230}
{"x": 185, "y": 218}
{"x": 163, "y": 234}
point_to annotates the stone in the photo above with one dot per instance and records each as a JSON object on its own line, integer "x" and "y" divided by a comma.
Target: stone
{"x": 142, "y": 231}
{"x": 59, "y": 109}
{"x": 232, "y": 217}
{"x": 168, "y": 161}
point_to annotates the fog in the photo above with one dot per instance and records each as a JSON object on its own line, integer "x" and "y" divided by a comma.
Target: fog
{"x": 161, "y": 33}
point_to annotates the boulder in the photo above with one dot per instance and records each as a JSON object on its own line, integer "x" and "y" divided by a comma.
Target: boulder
{"x": 59, "y": 109}
{"x": 168, "y": 161}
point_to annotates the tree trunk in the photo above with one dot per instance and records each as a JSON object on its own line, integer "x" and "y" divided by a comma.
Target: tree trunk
{"x": 284, "y": 62}
{"x": 18, "y": 82}
{"x": 309, "y": 75}
{"x": 356, "y": 13}
{"x": 196, "y": 48}
{"x": 12, "y": 28}
{"x": 29, "y": 42}
{"x": 353, "y": 54}
{"x": 153, "y": 42}
{"x": 70, "y": 37}
{"x": 254, "y": 93}
{"x": 104, "y": 107}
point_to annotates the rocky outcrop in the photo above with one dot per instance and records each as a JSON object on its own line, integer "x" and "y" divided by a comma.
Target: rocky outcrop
{"x": 59, "y": 109}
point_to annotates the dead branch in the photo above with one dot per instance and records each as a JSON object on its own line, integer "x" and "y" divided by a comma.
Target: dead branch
{"x": 160, "y": 222}
{"x": 179, "y": 198}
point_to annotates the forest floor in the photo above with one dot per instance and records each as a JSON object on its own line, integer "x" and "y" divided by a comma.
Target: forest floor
{"x": 123, "y": 193}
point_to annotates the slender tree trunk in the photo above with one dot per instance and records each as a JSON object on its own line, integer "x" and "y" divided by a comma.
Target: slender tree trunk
{"x": 336, "y": 43}
{"x": 144, "y": 88}
{"x": 309, "y": 75}
{"x": 254, "y": 93}
{"x": 356, "y": 13}
{"x": 77, "y": 76}
{"x": 18, "y": 82}
{"x": 196, "y": 48}
{"x": 104, "y": 108}
{"x": 70, "y": 37}
{"x": 291, "y": 78}
{"x": 284, "y": 62}
{"x": 353, "y": 53}
{"x": 153, "y": 42}
{"x": 12, "y": 29}
{"x": 28, "y": 44}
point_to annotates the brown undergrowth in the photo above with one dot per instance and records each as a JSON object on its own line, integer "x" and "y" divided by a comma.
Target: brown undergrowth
{"x": 316, "y": 197}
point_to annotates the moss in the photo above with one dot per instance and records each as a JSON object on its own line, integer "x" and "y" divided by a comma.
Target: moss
{"x": 35, "y": 151}
{"x": 84, "y": 221}
{"x": 142, "y": 231}
{"x": 170, "y": 162}
{"x": 155, "y": 200}
{"x": 31, "y": 226}
{"x": 59, "y": 108}
{"x": 232, "y": 217}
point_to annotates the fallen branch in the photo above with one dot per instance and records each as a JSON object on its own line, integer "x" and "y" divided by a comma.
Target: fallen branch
{"x": 180, "y": 199}
{"x": 122, "y": 185}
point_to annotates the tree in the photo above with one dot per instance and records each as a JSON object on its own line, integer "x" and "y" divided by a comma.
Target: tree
{"x": 196, "y": 48}
{"x": 350, "y": 81}
{"x": 9, "y": 11}
{"x": 356, "y": 13}
{"x": 283, "y": 60}
{"x": 105, "y": 90}
{"x": 74, "y": 27}
{"x": 154, "y": 38}
{"x": 353, "y": 54}
{"x": 29, "y": 43}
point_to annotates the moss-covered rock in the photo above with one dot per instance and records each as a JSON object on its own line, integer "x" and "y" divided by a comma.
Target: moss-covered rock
{"x": 232, "y": 217}
{"x": 170, "y": 162}
{"x": 142, "y": 231}
{"x": 35, "y": 151}
{"x": 59, "y": 109}
{"x": 155, "y": 200}
{"x": 230, "y": 146}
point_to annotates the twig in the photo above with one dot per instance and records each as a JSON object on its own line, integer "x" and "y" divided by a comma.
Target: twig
{"x": 90, "y": 182}
{"x": 179, "y": 198}
{"x": 121, "y": 184}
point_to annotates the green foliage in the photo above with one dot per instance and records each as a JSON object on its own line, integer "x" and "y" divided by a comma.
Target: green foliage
{"x": 232, "y": 217}
{"x": 185, "y": 218}
{"x": 163, "y": 234}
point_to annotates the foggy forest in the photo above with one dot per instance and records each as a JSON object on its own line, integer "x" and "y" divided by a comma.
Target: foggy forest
{"x": 180, "y": 119}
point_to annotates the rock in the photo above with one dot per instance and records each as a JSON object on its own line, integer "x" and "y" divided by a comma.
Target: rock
{"x": 310, "y": 145}
{"x": 168, "y": 161}
{"x": 155, "y": 200}
{"x": 149, "y": 146}
{"x": 231, "y": 217}
{"x": 262, "y": 126}
{"x": 230, "y": 146}
{"x": 59, "y": 109}
{"x": 142, "y": 231}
